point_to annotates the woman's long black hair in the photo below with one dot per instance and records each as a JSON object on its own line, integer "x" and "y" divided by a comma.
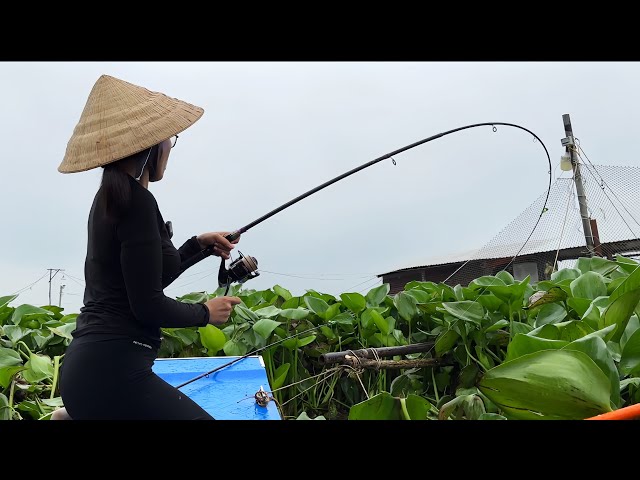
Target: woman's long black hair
{"x": 115, "y": 189}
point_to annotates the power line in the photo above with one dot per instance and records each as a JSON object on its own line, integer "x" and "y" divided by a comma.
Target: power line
{"x": 361, "y": 283}
{"x": 74, "y": 280}
{"x": 72, "y": 276}
{"x": 369, "y": 286}
{"x": 30, "y": 285}
{"x": 306, "y": 277}
{"x": 189, "y": 283}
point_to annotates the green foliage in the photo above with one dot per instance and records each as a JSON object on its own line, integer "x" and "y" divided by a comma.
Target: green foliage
{"x": 567, "y": 347}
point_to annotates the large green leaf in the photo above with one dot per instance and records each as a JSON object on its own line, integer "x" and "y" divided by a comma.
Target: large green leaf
{"x": 280, "y": 375}
{"x": 420, "y": 296}
{"x": 415, "y": 407}
{"x": 265, "y": 327}
{"x": 630, "y": 359}
{"x": 353, "y": 301}
{"x": 564, "y": 274}
{"x": 588, "y": 285}
{"x": 376, "y": 295}
{"x": 9, "y": 357}
{"x": 70, "y": 318}
{"x": 406, "y": 305}
{"x": 596, "y": 264}
{"x": 366, "y": 318}
{"x": 490, "y": 301}
{"x": 573, "y": 330}
{"x": 615, "y": 283}
{"x": 5, "y": 411}
{"x": 497, "y": 326}
{"x": 550, "y": 313}
{"x": 4, "y": 301}
{"x": 195, "y": 297}
{"x": 630, "y": 329}
{"x": 465, "y": 310}
{"x": 293, "y": 302}
{"x": 631, "y": 283}
{"x": 14, "y": 332}
{"x": 580, "y": 305}
{"x": 446, "y": 341}
{"x": 485, "y": 281}
{"x": 332, "y": 311}
{"x": 316, "y": 305}
{"x": 381, "y": 323}
{"x": 64, "y": 330}
{"x": 245, "y": 313}
{"x": 595, "y": 347}
{"x": 526, "y": 344}
{"x": 234, "y": 348}
{"x": 283, "y": 292}
{"x": 520, "y": 327}
{"x": 619, "y": 312}
{"x": 212, "y": 338}
{"x": 512, "y": 294}
{"x": 268, "y": 312}
{"x": 294, "y": 313}
{"x": 548, "y": 331}
{"x": 506, "y": 277}
{"x": 549, "y": 384}
{"x": 382, "y": 406}
{"x": 626, "y": 264}
{"x": 7, "y": 373}
{"x": 186, "y": 335}
{"x": 299, "y": 342}
{"x": 37, "y": 368}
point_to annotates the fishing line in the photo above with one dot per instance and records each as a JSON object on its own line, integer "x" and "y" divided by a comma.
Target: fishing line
{"x": 249, "y": 354}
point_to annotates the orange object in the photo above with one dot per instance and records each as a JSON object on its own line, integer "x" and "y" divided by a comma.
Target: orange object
{"x": 625, "y": 413}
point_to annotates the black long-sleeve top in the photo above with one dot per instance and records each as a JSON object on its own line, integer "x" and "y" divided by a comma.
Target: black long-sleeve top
{"x": 129, "y": 262}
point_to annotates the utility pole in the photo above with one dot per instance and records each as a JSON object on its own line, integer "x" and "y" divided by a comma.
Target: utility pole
{"x": 51, "y": 275}
{"x": 60, "y": 299}
{"x": 569, "y": 143}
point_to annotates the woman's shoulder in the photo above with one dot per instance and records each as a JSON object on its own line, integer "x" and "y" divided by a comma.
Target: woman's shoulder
{"x": 141, "y": 195}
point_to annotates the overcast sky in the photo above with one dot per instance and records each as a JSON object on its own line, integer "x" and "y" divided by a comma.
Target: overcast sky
{"x": 274, "y": 130}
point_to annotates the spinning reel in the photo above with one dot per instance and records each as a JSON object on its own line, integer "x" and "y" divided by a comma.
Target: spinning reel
{"x": 240, "y": 270}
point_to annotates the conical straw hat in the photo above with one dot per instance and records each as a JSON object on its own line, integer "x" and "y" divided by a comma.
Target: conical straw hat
{"x": 121, "y": 119}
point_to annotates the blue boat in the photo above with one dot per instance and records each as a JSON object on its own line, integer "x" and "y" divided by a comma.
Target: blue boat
{"x": 227, "y": 394}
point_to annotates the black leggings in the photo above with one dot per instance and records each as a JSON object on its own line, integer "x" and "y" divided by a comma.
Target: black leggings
{"x": 112, "y": 380}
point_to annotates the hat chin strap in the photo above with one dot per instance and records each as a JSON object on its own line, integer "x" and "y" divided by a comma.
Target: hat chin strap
{"x": 138, "y": 177}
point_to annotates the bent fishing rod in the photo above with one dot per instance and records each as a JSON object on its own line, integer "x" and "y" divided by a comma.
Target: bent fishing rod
{"x": 249, "y": 263}
{"x": 244, "y": 268}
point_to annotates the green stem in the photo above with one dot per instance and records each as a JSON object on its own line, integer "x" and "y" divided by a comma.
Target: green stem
{"x": 13, "y": 386}
{"x": 510, "y": 324}
{"x": 435, "y": 387}
{"x": 56, "y": 368}
{"x": 474, "y": 358}
{"x": 488, "y": 350}
{"x": 25, "y": 346}
{"x": 405, "y": 412}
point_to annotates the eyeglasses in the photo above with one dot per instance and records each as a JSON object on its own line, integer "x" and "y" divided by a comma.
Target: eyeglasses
{"x": 173, "y": 140}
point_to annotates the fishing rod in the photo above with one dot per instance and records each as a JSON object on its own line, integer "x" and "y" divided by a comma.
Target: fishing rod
{"x": 250, "y": 353}
{"x": 244, "y": 268}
